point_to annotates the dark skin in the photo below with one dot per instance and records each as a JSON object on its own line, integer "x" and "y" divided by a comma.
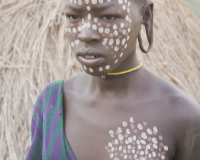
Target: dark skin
{"x": 93, "y": 106}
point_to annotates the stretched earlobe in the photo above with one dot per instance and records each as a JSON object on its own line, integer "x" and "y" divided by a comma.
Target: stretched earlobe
{"x": 148, "y": 23}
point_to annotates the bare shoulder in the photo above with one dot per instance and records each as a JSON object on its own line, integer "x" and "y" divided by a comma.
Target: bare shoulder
{"x": 74, "y": 83}
{"x": 184, "y": 115}
{"x": 176, "y": 99}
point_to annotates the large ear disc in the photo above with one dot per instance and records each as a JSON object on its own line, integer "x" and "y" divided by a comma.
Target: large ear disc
{"x": 147, "y": 21}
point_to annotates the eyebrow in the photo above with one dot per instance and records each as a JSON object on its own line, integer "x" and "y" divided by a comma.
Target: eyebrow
{"x": 101, "y": 8}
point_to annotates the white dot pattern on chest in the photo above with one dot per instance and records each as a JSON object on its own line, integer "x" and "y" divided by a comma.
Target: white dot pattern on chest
{"x": 136, "y": 141}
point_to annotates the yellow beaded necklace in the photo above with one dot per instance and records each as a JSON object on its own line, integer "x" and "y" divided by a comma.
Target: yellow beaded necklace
{"x": 121, "y": 74}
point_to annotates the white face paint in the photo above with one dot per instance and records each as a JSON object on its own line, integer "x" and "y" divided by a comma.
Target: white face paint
{"x": 136, "y": 141}
{"x": 115, "y": 34}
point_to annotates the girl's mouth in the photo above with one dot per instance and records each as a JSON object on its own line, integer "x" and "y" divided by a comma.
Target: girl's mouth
{"x": 90, "y": 57}
{"x": 90, "y": 60}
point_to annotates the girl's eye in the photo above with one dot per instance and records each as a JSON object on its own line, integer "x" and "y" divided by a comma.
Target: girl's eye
{"x": 109, "y": 17}
{"x": 73, "y": 17}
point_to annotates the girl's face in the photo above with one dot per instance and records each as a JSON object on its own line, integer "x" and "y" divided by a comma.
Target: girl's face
{"x": 102, "y": 33}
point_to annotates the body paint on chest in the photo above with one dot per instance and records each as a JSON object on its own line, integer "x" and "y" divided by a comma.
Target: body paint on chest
{"x": 136, "y": 141}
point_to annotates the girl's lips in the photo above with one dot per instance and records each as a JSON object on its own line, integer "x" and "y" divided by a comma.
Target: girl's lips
{"x": 90, "y": 61}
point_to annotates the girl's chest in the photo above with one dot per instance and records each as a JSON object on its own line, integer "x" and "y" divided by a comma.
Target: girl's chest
{"x": 119, "y": 134}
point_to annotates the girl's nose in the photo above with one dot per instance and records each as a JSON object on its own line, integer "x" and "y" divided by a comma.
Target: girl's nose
{"x": 88, "y": 35}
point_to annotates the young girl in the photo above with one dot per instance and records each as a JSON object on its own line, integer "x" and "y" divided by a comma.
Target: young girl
{"x": 117, "y": 109}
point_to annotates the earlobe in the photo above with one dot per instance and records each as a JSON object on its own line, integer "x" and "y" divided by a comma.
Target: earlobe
{"x": 147, "y": 21}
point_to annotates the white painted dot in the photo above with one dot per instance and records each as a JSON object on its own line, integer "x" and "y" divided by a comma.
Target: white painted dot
{"x": 80, "y": 28}
{"x": 114, "y": 26}
{"x": 144, "y": 135}
{"x": 100, "y": 69}
{"x": 123, "y": 41}
{"x": 72, "y": 44}
{"x": 131, "y": 120}
{"x": 141, "y": 153}
{"x": 116, "y": 33}
{"x": 119, "y": 130}
{"x": 124, "y": 32}
{"x": 154, "y": 140}
{"x": 134, "y": 138}
{"x": 107, "y": 67}
{"x": 110, "y": 144}
{"x": 116, "y": 61}
{"x": 96, "y": 20}
{"x": 124, "y": 124}
{"x": 80, "y": 2}
{"x": 89, "y": 16}
{"x": 140, "y": 127}
{"x": 76, "y": 42}
{"x": 130, "y": 140}
{"x": 126, "y": 142}
{"x": 121, "y": 54}
{"x": 116, "y": 141}
{"x": 101, "y": 30}
{"x": 120, "y": 1}
{"x": 88, "y": 8}
{"x": 91, "y": 70}
{"x": 88, "y": 25}
{"x": 155, "y": 146}
{"x": 162, "y": 157}
{"x": 154, "y": 154}
{"x": 139, "y": 147}
{"x": 155, "y": 129}
{"x": 94, "y": 27}
{"x": 120, "y": 137}
{"x": 111, "y": 132}
{"x": 149, "y": 131}
{"x": 149, "y": 155}
{"x": 143, "y": 142}
{"x": 94, "y": 1}
{"x": 148, "y": 146}
{"x": 128, "y": 131}
{"x": 107, "y": 30}
{"x": 111, "y": 41}
{"x": 124, "y": 7}
{"x": 125, "y": 156}
{"x": 128, "y": 37}
{"x": 117, "y": 42}
{"x": 111, "y": 155}
{"x": 122, "y": 25}
{"x": 105, "y": 40}
{"x": 124, "y": 150}
{"x": 166, "y": 148}
{"x": 116, "y": 48}
{"x": 127, "y": 18}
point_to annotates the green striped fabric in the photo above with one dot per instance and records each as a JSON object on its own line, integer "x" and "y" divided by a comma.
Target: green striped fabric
{"x": 47, "y": 127}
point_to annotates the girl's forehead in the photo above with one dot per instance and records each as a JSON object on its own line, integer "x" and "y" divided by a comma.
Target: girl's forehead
{"x": 98, "y": 2}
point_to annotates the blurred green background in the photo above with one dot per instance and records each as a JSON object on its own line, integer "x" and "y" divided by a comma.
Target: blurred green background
{"x": 194, "y": 6}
